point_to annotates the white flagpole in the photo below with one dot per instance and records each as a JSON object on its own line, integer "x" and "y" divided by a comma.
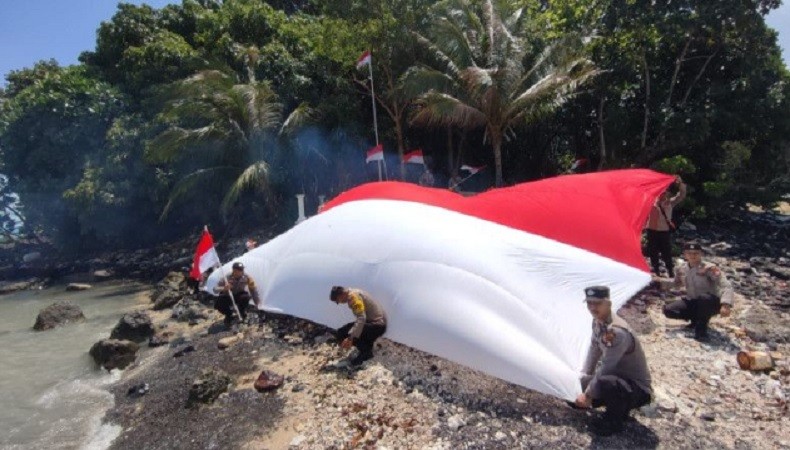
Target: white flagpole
{"x": 463, "y": 179}
{"x": 375, "y": 119}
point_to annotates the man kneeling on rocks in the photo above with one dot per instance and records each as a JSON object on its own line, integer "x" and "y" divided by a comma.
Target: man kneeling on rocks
{"x": 242, "y": 286}
{"x": 622, "y": 381}
{"x": 370, "y": 323}
{"x": 708, "y": 292}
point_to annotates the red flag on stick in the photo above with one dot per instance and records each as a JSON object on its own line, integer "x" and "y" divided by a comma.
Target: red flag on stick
{"x": 206, "y": 256}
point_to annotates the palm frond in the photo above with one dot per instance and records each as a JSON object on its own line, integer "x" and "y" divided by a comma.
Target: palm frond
{"x": 304, "y": 114}
{"x": 437, "y": 109}
{"x": 171, "y": 143}
{"x": 189, "y": 182}
{"x": 255, "y": 176}
{"x": 437, "y": 53}
{"x": 419, "y": 80}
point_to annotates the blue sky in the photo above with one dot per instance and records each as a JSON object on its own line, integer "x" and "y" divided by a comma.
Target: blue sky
{"x": 31, "y": 30}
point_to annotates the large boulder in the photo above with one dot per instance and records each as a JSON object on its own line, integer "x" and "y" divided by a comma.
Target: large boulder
{"x": 764, "y": 325}
{"x": 58, "y": 314}
{"x": 189, "y": 311}
{"x": 114, "y": 353}
{"x": 135, "y": 326}
{"x": 169, "y": 291}
{"x": 207, "y": 387}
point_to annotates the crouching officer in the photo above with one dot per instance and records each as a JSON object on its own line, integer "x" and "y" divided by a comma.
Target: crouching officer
{"x": 243, "y": 288}
{"x": 708, "y": 292}
{"x": 622, "y": 381}
{"x": 370, "y": 323}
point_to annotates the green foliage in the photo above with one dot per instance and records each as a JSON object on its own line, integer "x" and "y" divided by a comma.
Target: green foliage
{"x": 675, "y": 165}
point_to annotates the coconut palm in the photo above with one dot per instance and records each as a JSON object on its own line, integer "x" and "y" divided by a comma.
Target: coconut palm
{"x": 487, "y": 73}
{"x": 226, "y": 128}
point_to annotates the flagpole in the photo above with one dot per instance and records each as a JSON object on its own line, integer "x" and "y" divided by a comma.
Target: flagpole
{"x": 230, "y": 291}
{"x": 463, "y": 179}
{"x": 375, "y": 119}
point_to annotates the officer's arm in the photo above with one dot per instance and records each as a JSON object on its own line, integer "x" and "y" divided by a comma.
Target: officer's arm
{"x": 680, "y": 275}
{"x": 611, "y": 356}
{"x": 593, "y": 355}
{"x": 220, "y": 286}
{"x": 358, "y": 308}
{"x": 253, "y": 289}
{"x": 722, "y": 284}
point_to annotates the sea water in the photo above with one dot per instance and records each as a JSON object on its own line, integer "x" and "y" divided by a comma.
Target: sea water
{"x": 52, "y": 396}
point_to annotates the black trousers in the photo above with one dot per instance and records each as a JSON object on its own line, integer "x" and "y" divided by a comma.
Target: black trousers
{"x": 224, "y": 304}
{"x": 619, "y": 396}
{"x": 366, "y": 340}
{"x": 659, "y": 247}
{"x": 697, "y": 310}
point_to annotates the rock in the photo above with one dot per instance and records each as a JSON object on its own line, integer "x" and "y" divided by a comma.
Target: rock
{"x": 268, "y": 381}
{"x": 135, "y": 326}
{"x": 207, "y": 387}
{"x": 500, "y": 436}
{"x": 30, "y": 257}
{"x": 165, "y": 299}
{"x": 101, "y": 275}
{"x": 229, "y": 341}
{"x": 58, "y": 314}
{"x": 455, "y": 422}
{"x": 78, "y": 287}
{"x": 158, "y": 340}
{"x": 188, "y": 349}
{"x": 783, "y": 273}
{"x": 7, "y": 288}
{"x": 189, "y": 311}
{"x": 297, "y": 440}
{"x": 708, "y": 416}
{"x": 764, "y": 325}
{"x": 137, "y": 390}
{"x": 114, "y": 353}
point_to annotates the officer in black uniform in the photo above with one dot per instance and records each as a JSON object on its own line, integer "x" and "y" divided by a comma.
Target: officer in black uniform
{"x": 622, "y": 380}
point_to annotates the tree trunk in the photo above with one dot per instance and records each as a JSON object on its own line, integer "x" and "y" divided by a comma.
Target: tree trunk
{"x": 401, "y": 145}
{"x": 450, "y": 159}
{"x": 601, "y": 140}
{"x": 647, "y": 100}
{"x": 496, "y": 141}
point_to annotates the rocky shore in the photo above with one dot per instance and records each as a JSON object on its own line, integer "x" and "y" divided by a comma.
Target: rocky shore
{"x": 196, "y": 388}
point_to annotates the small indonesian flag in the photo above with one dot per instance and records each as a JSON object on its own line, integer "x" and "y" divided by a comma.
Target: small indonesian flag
{"x": 471, "y": 169}
{"x": 205, "y": 256}
{"x": 414, "y": 156}
{"x": 375, "y": 154}
{"x": 364, "y": 59}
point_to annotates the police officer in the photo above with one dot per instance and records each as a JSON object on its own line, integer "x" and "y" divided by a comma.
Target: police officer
{"x": 622, "y": 381}
{"x": 370, "y": 323}
{"x": 708, "y": 292}
{"x": 243, "y": 288}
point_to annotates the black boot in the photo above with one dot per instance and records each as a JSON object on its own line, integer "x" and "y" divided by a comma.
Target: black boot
{"x": 606, "y": 426}
{"x": 701, "y": 331}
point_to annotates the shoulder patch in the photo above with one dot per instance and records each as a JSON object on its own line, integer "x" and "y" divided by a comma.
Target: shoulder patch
{"x": 607, "y": 338}
{"x": 356, "y": 304}
{"x": 714, "y": 271}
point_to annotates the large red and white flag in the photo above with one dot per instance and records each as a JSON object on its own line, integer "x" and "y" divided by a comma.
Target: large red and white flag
{"x": 471, "y": 169}
{"x": 414, "y": 156}
{"x": 206, "y": 256}
{"x": 364, "y": 59}
{"x": 494, "y": 281}
{"x": 375, "y": 154}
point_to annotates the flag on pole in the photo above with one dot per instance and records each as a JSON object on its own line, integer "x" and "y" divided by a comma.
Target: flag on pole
{"x": 375, "y": 154}
{"x": 364, "y": 59}
{"x": 471, "y": 169}
{"x": 414, "y": 156}
{"x": 206, "y": 256}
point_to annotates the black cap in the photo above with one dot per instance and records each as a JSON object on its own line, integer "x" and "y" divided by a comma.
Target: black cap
{"x": 334, "y": 294}
{"x": 596, "y": 293}
{"x": 692, "y": 246}
{"x": 238, "y": 266}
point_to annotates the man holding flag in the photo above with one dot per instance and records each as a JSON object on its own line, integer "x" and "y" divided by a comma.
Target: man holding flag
{"x": 238, "y": 288}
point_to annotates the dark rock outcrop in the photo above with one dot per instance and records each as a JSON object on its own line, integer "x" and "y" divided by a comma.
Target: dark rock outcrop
{"x": 169, "y": 291}
{"x": 207, "y": 387}
{"x": 136, "y": 326}
{"x": 58, "y": 314}
{"x": 268, "y": 381}
{"x": 114, "y": 354}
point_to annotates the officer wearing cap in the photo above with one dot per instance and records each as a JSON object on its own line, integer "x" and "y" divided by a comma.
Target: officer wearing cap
{"x": 622, "y": 380}
{"x": 370, "y": 323}
{"x": 708, "y": 292}
{"x": 243, "y": 288}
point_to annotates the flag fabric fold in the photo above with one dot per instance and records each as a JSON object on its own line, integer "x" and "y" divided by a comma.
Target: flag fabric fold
{"x": 206, "y": 256}
{"x": 375, "y": 154}
{"x": 414, "y": 157}
{"x": 364, "y": 59}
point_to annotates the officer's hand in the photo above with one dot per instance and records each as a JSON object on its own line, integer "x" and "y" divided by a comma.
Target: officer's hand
{"x": 582, "y": 401}
{"x": 346, "y": 344}
{"x": 725, "y": 310}
{"x": 678, "y": 180}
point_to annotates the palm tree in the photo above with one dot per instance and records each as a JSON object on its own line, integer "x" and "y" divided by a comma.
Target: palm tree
{"x": 225, "y": 127}
{"x": 487, "y": 73}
